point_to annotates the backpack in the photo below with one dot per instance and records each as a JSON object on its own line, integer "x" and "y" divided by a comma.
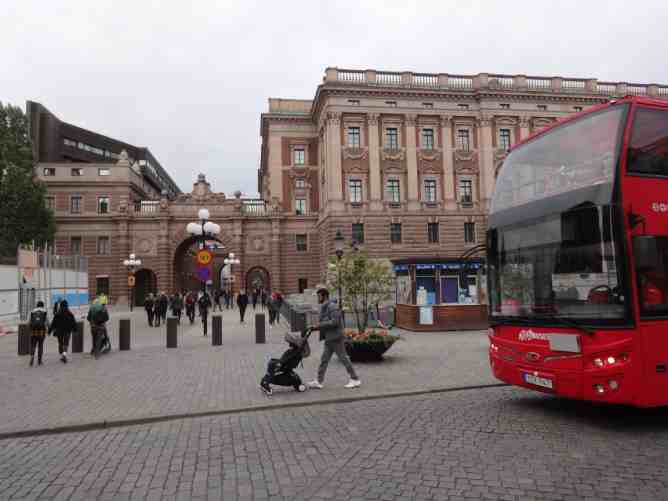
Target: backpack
{"x": 38, "y": 319}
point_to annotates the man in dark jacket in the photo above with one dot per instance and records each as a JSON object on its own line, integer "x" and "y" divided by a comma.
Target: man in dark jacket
{"x": 204, "y": 303}
{"x": 98, "y": 316}
{"x": 163, "y": 306}
{"x": 39, "y": 323}
{"x": 149, "y": 306}
{"x": 331, "y": 332}
{"x": 62, "y": 326}
{"x": 242, "y": 303}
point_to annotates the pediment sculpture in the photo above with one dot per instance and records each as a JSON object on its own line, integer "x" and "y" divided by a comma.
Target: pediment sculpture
{"x": 392, "y": 154}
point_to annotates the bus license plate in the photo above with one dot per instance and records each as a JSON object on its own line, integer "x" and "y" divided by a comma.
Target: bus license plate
{"x": 538, "y": 381}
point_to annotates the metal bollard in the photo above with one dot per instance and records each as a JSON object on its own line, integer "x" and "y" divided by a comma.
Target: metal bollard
{"x": 259, "y": 329}
{"x": 78, "y": 338}
{"x": 124, "y": 334}
{"x": 24, "y": 339}
{"x": 216, "y": 330}
{"x": 172, "y": 326}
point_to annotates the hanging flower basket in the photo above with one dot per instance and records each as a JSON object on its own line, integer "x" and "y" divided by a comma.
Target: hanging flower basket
{"x": 369, "y": 345}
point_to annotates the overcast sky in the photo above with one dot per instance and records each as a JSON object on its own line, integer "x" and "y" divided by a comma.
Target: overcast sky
{"x": 190, "y": 81}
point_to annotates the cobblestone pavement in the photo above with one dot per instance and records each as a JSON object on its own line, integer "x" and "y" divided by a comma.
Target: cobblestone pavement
{"x": 151, "y": 380}
{"x": 494, "y": 443}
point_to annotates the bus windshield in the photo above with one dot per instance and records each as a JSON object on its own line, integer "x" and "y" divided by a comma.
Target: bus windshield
{"x": 554, "y": 244}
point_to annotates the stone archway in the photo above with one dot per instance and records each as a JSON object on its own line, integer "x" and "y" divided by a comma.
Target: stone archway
{"x": 185, "y": 265}
{"x": 257, "y": 277}
{"x": 146, "y": 282}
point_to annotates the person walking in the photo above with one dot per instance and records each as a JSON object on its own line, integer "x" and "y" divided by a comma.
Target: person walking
{"x": 216, "y": 300}
{"x": 149, "y": 306}
{"x": 62, "y": 326}
{"x": 330, "y": 327}
{"x": 177, "y": 307}
{"x": 39, "y": 323}
{"x": 263, "y": 298}
{"x": 204, "y": 304}
{"x": 254, "y": 296}
{"x": 242, "y": 303}
{"x": 163, "y": 306}
{"x": 98, "y": 316}
{"x": 278, "y": 304}
{"x": 190, "y": 306}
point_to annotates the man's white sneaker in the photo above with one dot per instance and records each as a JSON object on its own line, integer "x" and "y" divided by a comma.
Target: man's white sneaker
{"x": 315, "y": 384}
{"x": 353, "y": 383}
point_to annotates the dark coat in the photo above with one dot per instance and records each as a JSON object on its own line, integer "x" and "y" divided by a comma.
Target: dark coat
{"x": 242, "y": 300}
{"x": 63, "y": 323}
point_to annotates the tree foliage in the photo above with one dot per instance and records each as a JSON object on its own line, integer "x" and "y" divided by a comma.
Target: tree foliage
{"x": 364, "y": 283}
{"x": 24, "y": 217}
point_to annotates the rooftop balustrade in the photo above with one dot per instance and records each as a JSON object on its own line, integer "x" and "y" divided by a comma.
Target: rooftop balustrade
{"x": 481, "y": 81}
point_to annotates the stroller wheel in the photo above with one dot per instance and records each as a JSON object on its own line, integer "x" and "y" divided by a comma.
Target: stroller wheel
{"x": 300, "y": 388}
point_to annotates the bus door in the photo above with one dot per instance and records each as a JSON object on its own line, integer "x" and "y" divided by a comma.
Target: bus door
{"x": 651, "y": 257}
{"x": 646, "y": 191}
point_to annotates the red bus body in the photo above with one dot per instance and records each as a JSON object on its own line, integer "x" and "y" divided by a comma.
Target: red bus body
{"x": 558, "y": 255}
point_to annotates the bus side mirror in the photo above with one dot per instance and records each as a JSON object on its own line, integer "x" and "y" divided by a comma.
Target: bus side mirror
{"x": 646, "y": 252}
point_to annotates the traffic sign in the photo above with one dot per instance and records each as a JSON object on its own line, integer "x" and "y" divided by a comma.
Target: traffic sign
{"x": 131, "y": 280}
{"x": 203, "y": 274}
{"x": 204, "y": 257}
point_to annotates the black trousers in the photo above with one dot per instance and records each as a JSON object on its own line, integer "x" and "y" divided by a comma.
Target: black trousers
{"x": 63, "y": 342}
{"x": 242, "y": 312}
{"x": 205, "y": 317}
{"x": 149, "y": 314}
{"x": 37, "y": 342}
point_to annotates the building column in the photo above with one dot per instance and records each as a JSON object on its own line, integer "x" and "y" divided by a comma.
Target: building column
{"x": 411, "y": 164}
{"x": 448, "y": 167}
{"x": 119, "y": 282}
{"x": 164, "y": 271}
{"x": 525, "y": 128}
{"x": 375, "y": 182}
{"x": 275, "y": 246}
{"x": 485, "y": 161}
{"x": 238, "y": 245}
{"x": 334, "y": 169}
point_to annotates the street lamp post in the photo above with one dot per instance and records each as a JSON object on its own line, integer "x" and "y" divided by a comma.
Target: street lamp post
{"x": 201, "y": 230}
{"x": 230, "y": 260}
{"x": 131, "y": 264}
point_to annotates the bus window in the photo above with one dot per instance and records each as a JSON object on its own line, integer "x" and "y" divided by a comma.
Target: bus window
{"x": 648, "y": 149}
{"x": 653, "y": 283}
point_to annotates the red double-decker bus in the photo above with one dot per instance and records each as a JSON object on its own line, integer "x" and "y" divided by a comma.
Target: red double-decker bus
{"x": 577, "y": 250}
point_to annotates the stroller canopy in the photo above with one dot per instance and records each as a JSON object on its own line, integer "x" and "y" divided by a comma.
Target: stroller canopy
{"x": 296, "y": 339}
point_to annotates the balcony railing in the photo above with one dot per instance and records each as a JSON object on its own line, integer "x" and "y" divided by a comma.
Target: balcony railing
{"x": 147, "y": 207}
{"x": 258, "y": 208}
{"x": 481, "y": 81}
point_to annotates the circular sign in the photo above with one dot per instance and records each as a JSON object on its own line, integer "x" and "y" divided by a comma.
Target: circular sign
{"x": 131, "y": 281}
{"x": 204, "y": 257}
{"x": 204, "y": 274}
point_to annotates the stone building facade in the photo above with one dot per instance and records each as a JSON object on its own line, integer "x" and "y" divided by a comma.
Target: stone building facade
{"x": 402, "y": 163}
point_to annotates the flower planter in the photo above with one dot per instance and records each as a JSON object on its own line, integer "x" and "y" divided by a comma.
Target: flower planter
{"x": 369, "y": 346}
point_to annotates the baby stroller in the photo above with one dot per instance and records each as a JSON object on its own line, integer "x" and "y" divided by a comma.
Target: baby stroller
{"x": 281, "y": 371}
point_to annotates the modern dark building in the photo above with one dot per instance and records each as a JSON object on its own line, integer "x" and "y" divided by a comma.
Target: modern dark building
{"x": 55, "y": 141}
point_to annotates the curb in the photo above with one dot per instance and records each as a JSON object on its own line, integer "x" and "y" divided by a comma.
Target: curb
{"x": 101, "y": 425}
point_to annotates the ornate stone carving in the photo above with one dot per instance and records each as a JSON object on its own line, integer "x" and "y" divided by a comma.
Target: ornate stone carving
{"x": 257, "y": 245}
{"x": 508, "y": 121}
{"x": 372, "y": 119}
{"x": 484, "y": 122}
{"x": 393, "y": 166}
{"x": 445, "y": 121}
{"x": 145, "y": 246}
{"x": 410, "y": 119}
{"x": 333, "y": 117}
{"x": 356, "y": 168}
{"x": 525, "y": 123}
{"x": 541, "y": 122}
{"x": 466, "y": 168}
{"x": 429, "y": 168}
{"x": 388, "y": 154}
{"x": 464, "y": 156}
{"x": 355, "y": 153}
{"x": 428, "y": 155}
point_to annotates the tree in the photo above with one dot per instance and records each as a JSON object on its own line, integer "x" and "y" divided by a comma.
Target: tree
{"x": 364, "y": 282}
{"x": 24, "y": 217}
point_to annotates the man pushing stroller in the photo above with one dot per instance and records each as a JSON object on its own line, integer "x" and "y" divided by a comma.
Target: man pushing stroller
{"x": 281, "y": 371}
